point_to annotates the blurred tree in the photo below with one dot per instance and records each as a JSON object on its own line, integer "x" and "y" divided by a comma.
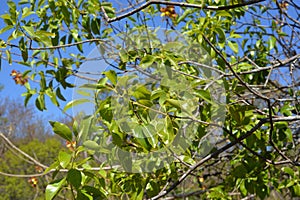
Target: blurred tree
{"x": 30, "y": 133}
{"x": 19, "y": 122}
{"x": 15, "y": 188}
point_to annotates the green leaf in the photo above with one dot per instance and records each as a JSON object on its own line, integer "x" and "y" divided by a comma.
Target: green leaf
{"x": 26, "y": 12}
{"x": 53, "y": 188}
{"x": 24, "y": 54}
{"x": 15, "y": 34}
{"x": 52, "y": 96}
{"x": 79, "y": 46}
{"x": 188, "y": 160}
{"x": 184, "y": 15}
{"x": 243, "y": 187}
{"x": 109, "y": 10}
{"x": 141, "y": 92}
{"x": 138, "y": 131}
{"x": 173, "y": 45}
{"x": 75, "y": 103}
{"x": 30, "y": 30}
{"x": 8, "y": 55}
{"x": 96, "y": 193}
{"x": 91, "y": 145}
{"x": 12, "y": 5}
{"x": 205, "y": 95}
{"x": 22, "y": 2}
{"x": 112, "y": 76}
{"x": 123, "y": 55}
{"x": 23, "y": 49}
{"x": 240, "y": 171}
{"x": 5, "y": 16}
{"x": 2, "y": 44}
{"x": 168, "y": 134}
{"x": 147, "y": 103}
{"x": 258, "y": 43}
{"x": 75, "y": 127}
{"x": 74, "y": 177}
{"x": 125, "y": 159}
{"x": 221, "y": 35}
{"x": 61, "y": 130}
{"x": 95, "y": 26}
{"x": 27, "y": 98}
{"x": 84, "y": 93}
{"x": 40, "y": 102}
{"x": 291, "y": 182}
{"x": 271, "y": 42}
{"x": 6, "y": 28}
{"x": 156, "y": 94}
{"x": 288, "y": 170}
{"x": 86, "y": 126}
{"x": 150, "y": 132}
{"x": 64, "y": 159}
{"x": 44, "y": 33}
{"x": 147, "y": 61}
{"x": 282, "y": 34}
{"x": 59, "y": 94}
{"x": 42, "y": 81}
{"x": 223, "y": 13}
{"x": 66, "y": 15}
{"x": 54, "y": 165}
{"x": 233, "y": 46}
{"x": 296, "y": 189}
{"x": 175, "y": 103}
{"x": 93, "y": 86}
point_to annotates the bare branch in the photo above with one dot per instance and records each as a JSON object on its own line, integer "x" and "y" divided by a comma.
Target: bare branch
{"x": 54, "y": 170}
{"x": 253, "y": 91}
{"x": 181, "y": 4}
{"x": 224, "y": 148}
{"x": 275, "y": 65}
{"x": 8, "y": 142}
{"x": 60, "y": 46}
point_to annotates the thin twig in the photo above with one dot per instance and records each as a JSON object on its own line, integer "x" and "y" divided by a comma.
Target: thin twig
{"x": 181, "y": 4}
{"x": 221, "y": 150}
{"x": 55, "y": 170}
{"x": 253, "y": 91}
{"x": 59, "y": 46}
{"x": 8, "y": 142}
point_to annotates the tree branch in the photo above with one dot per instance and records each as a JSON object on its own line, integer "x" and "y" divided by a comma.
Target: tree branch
{"x": 8, "y": 142}
{"x": 224, "y": 148}
{"x": 276, "y": 65}
{"x": 59, "y": 46}
{"x": 181, "y": 4}
{"x": 253, "y": 91}
{"x": 54, "y": 170}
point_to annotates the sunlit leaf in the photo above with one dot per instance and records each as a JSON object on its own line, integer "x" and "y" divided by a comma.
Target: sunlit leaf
{"x": 62, "y": 130}
{"x": 147, "y": 61}
{"x": 74, "y": 177}
{"x": 86, "y": 126}
{"x": 75, "y": 102}
{"x": 112, "y": 76}
{"x": 53, "y": 188}
{"x": 233, "y": 46}
{"x": 64, "y": 159}
{"x": 26, "y": 12}
{"x": 91, "y": 145}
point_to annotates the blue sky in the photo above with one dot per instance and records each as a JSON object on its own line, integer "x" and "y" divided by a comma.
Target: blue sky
{"x": 11, "y": 89}
{"x": 14, "y": 91}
